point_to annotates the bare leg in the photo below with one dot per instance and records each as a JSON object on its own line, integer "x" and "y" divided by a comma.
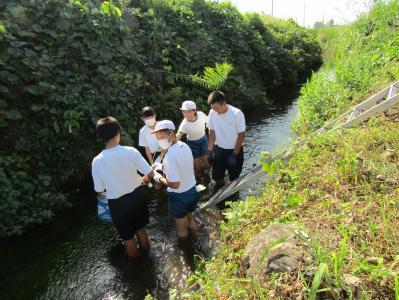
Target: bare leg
{"x": 131, "y": 248}
{"x": 204, "y": 163}
{"x": 197, "y": 168}
{"x": 182, "y": 227}
{"x": 192, "y": 225}
{"x": 220, "y": 182}
{"x": 143, "y": 239}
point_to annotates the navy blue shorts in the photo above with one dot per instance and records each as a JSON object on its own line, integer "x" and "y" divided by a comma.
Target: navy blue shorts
{"x": 198, "y": 147}
{"x": 129, "y": 213}
{"x": 180, "y": 204}
{"x": 220, "y": 164}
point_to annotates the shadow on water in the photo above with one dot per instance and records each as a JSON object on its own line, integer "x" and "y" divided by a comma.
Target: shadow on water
{"x": 78, "y": 257}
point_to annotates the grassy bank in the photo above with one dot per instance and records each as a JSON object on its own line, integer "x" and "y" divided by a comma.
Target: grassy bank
{"x": 342, "y": 188}
{"x": 360, "y": 59}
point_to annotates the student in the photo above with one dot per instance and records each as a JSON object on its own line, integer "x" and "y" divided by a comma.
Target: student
{"x": 146, "y": 139}
{"x": 179, "y": 178}
{"x": 226, "y": 125}
{"x": 114, "y": 171}
{"x": 193, "y": 125}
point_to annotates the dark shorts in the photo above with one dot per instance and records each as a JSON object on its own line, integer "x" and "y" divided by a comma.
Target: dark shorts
{"x": 220, "y": 164}
{"x": 198, "y": 147}
{"x": 129, "y": 213}
{"x": 180, "y": 204}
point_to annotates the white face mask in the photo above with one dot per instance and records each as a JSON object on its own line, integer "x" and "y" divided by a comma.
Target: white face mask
{"x": 164, "y": 143}
{"x": 150, "y": 122}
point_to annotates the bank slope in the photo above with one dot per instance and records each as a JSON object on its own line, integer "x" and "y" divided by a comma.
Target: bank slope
{"x": 340, "y": 190}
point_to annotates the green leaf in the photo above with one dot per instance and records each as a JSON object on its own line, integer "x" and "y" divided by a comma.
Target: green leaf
{"x": 213, "y": 78}
{"x": 56, "y": 127}
{"x": 118, "y": 11}
{"x": 34, "y": 89}
{"x": 71, "y": 114}
{"x": 293, "y": 201}
{"x": 13, "y": 115}
{"x": 318, "y": 277}
{"x": 110, "y": 9}
{"x": 17, "y": 44}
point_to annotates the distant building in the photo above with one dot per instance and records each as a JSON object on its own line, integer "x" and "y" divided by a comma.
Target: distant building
{"x": 322, "y": 24}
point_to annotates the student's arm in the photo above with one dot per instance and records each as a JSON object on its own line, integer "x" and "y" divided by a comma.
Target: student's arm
{"x": 147, "y": 178}
{"x": 149, "y": 155}
{"x": 143, "y": 166}
{"x": 240, "y": 127}
{"x": 99, "y": 185}
{"x": 181, "y": 131}
{"x": 179, "y": 135}
{"x": 239, "y": 142}
{"x": 211, "y": 139}
{"x": 173, "y": 185}
{"x": 173, "y": 175}
{"x": 211, "y": 134}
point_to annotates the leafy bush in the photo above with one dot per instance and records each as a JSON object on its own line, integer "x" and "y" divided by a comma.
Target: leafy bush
{"x": 64, "y": 64}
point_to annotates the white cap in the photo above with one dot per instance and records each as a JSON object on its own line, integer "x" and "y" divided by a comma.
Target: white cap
{"x": 164, "y": 124}
{"x": 188, "y": 105}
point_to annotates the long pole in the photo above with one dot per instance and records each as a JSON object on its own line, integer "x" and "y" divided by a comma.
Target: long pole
{"x": 304, "y": 10}
{"x": 272, "y": 7}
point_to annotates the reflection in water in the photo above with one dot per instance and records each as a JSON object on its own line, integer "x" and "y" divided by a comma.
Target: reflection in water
{"x": 81, "y": 258}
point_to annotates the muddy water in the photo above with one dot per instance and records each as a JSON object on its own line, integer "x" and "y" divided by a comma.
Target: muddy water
{"x": 78, "y": 257}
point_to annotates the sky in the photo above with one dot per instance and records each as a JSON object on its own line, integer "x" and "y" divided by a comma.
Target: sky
{"x": 307, "y": 12}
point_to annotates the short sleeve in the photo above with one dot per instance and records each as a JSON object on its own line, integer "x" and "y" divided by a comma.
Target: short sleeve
{"x": 182, "y": 127}
{"x": 99, "y": 185}
{"x": 210, "y": 124}
{"x": 240, "y": 122}
{"x": 142, "y": 139}
{"x": 204, "y": 117}
{"x": 172, "y": 173}
{"x": 141, "y": 164}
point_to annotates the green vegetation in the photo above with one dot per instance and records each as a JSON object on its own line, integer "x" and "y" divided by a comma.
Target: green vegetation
{"x": 360, "y": 59}
{"x": 349, "y": 207}
{"x": 64, "y": 64}
{"x": 340, "y": 188}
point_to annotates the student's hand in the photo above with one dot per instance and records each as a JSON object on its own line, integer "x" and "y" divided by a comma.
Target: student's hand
{"x": 209, "y": 156}
{"x": 147, "y": 178}
{"x": 157, "y": 177}
{"x": 232, "y": 160}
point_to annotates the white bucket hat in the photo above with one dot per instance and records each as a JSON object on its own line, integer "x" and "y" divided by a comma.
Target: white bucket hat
{"x": 164, "y": 124}
{"x": 188, "y": 105}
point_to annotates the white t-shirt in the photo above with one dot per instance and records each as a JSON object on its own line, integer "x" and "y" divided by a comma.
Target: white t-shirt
{"x": 178, "y": 165}
{"x": 227, "y": 126}
{"x": 115, "y": 170}
{"x": 196, "y": 129}
{"x": 147, "y": 139}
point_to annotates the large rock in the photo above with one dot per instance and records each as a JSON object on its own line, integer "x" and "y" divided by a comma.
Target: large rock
{"x": 275, "y": 249}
